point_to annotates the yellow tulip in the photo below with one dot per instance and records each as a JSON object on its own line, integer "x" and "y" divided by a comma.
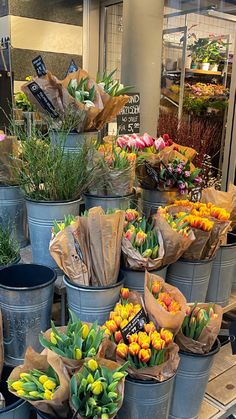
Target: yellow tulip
{"x": 92, "y": 364}
{"x": 20, "y": 393}
{"x": 17, "y": 385}
{"x": 90, "y": 379}
{"x": 43, "y": 378}
{"x": 78, "y": 354}
{"x": 49, "y": 385}
{"x": 53, "y": 338}
{"x": 96, "y": 388}
{"x": 85, "y": 331}
{"x": 48, "y": 395}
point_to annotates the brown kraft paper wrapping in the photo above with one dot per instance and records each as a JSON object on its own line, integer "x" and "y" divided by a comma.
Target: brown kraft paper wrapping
{"x": 58, "y": 406}
{"x": 135, "y": 261}
{"x": 9, "y": 149}
{"x": 219, "y": 198}
{"x": 218, "y": 236}
{"x": 156, "y": 312}
{"x": 196, "y": 249}
{"x": 111, "y": 365}
{"x": 174, "y": 243}
{"x": 207, "y": 337}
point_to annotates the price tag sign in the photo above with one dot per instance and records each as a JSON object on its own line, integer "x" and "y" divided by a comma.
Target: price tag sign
{"x": 42, "y": 99}
{"x": 135, "y": 325}
{"x": 128, "y": 120}
{"x": 39, "y": 66}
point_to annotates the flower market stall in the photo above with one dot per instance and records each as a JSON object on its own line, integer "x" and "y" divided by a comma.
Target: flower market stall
{"x": 147, "y": 253}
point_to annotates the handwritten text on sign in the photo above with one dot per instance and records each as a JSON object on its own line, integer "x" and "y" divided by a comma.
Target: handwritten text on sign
{"x": 128, "y": 120}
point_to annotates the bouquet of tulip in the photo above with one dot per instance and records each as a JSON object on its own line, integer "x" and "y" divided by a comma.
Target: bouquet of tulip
{"x": 124, "y": 311}
{"x": 151, "y": 354}
{"x": 200, "y": 327}
{"x": 81, "y": 248}
{"x": 74, "y": 342}
{"x": 144, "y": 143}
{"x": 165, "y": 304}
{"x": 209, "y": 223}
{"x": 97, "y": 389}
{"x": 78, "y": 91}
{"x": 142, "y": 244}
{"x": 59, "y": 226}
{"x": 43, "y": 381}
{"x": 177, "y": 234}
{"x": 222, "y": 200}
{"x": 114, "y": 171}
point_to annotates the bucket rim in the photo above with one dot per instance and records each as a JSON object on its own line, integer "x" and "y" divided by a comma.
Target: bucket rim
{"x": 150, "y": 382}
{"x": 87, "y": 194}
{"x": 66, "y": 281}
{"x": 173, "y": 190}
{"x": 48, "y": 203}
{"x": 212, "y": 352}
{"x": 9, "y": 186}
{"x": 12, "y": 406}
{"x": 74, "y": 132}
{"x": 196, "y": 262}
{"x": 35, "y": 287}
{"x": 124, "y": 268}
{"x": 230, "y": 233}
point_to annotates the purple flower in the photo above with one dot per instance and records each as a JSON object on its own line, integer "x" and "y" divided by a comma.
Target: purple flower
{"x": 178, "y": 170}
{"x": 181, "y": 185}
{"x": 169, "y": 182}
{"x": 182, "y": 191}
{"x": 198, "y": 180}
{"x": 170, "y": 168}
{"x": 186, "y": 173}
{"x": 2, "y": 137}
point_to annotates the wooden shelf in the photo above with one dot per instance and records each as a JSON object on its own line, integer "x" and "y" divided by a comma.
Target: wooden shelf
{"x": 232, "y": 303}
{"x": 196, "y": 71}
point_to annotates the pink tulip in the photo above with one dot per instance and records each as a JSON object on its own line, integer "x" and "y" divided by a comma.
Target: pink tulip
{"x": 148, "y": 140}
{"x": 2, "y": 137}
{"x": 159, "y": 144}
{"x": 122, "y": 142}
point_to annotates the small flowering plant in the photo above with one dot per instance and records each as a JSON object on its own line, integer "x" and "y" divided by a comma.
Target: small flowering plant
{"x": 97, "y": 389}
{"x": 142, "y": 234}
{"x": 123, "y": 313}
{"x": 76, "y": 341}
{"x": 35, "y": 384}
{"x": 146, "y": 348}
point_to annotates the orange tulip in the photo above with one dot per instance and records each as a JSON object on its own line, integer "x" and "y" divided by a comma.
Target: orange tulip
{"x": 118, "y": 336}
{"x": 122, "y": 350}
{"x": 111, "y": 325}
{"x": 112, "y": 315}
{"x": 174, "y": 307}
{"x": 117, "y": 319}
{"x": 133, "y": 338}
{"x": 161, "y": 303}
{"x": 144, "y": 340}
{"x": 165, "y": 298}
{"x": 144, "y": 355}
{"x": 134, "y": 348}
{"x": 149, "y": 327}
{"x": 156, "y": 287}
{"x": 158, "y": 344}
{"x": 166, "y": 335}
{"x": 124, "y": 292}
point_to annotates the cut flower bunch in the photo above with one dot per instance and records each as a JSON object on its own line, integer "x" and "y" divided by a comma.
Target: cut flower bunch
{"x": 163, "y": 298}
{"x": 97, "y": 389}
{"x": 146, "y": 348}
{"x": 36, "y": 385}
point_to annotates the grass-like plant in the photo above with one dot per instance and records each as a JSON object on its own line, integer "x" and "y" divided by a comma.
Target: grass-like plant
{"x": 46, "y": 172}
{"x": 9, "y": 247}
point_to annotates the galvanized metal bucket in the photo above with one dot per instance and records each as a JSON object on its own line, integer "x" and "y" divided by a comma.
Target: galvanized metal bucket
{"x": 134, "y": 280}
{"x": 15, "y": 408}
{"x": 152, "y": 199}
{"x": 41, "y": 215}
{"x": 72, "y": 142}
{"x": 13, "y": 212}
{"x": 26, "y": 297}
{"x": 92, "y": 303}
{"x": 190, "y": 383}
{"x": 15, "y": 262}
{"x": 146, "y": 399}
{"x": 107, "y": 202}
{"x": 222, "y": 275}
{"x": 191, "y": 277}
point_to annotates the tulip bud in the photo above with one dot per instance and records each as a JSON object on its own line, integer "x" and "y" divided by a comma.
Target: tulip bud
{"x": 111, "y": 326}
{"x": 90, "y": 379}
{"x": 43, "y": 378}
{"x": 149, "y": 327}
{"x": 20, "y": 393}
{"x": 53, "y": 338}
{"x": 85, "y": 331}
{"x": 133, "y": 338}
{"x": 118, "y": 375}
{"x": 92, "y": 364}
{"x": 112, "y": 386}
{"x": 118, "y": 336}
{"x": 144, "y": 355}
{"x": 124, "y": 323}
{"x": 112, "y": 395}
{"x": 122, "y": 350}
{"x": 96, "y": 387}
{"x": 166, "y": 335}
{"x": 134, "y": 348}
{"x": 124, "y": 292}
{"x": 105, "y": 416}
{"x": 92, "y": 401}
{"x": 92, "y": 352}
{"x": 49, "y": 385}
{"x": 156, "y": 287}
{"x": 78, "y": 354}
{"x": 147, "y": 253}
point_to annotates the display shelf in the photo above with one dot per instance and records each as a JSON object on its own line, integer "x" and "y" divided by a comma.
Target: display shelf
{"x": 195, "y": 71}
{"x": 232, "y": 303}
{"x": 220, "y": 398}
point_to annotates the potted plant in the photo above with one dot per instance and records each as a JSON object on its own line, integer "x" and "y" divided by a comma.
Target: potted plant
{"x": 52, "y": 183}
{"x": 9, "y": 248}
{"x": 12, "y": 204}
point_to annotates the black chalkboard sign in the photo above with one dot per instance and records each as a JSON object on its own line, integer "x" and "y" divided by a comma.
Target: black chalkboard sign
{"x": 128, "y": 120}
{"x": 135, "y": 325}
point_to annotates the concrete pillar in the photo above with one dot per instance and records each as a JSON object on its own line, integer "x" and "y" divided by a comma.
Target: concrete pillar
{"x": 141, "y": 56}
